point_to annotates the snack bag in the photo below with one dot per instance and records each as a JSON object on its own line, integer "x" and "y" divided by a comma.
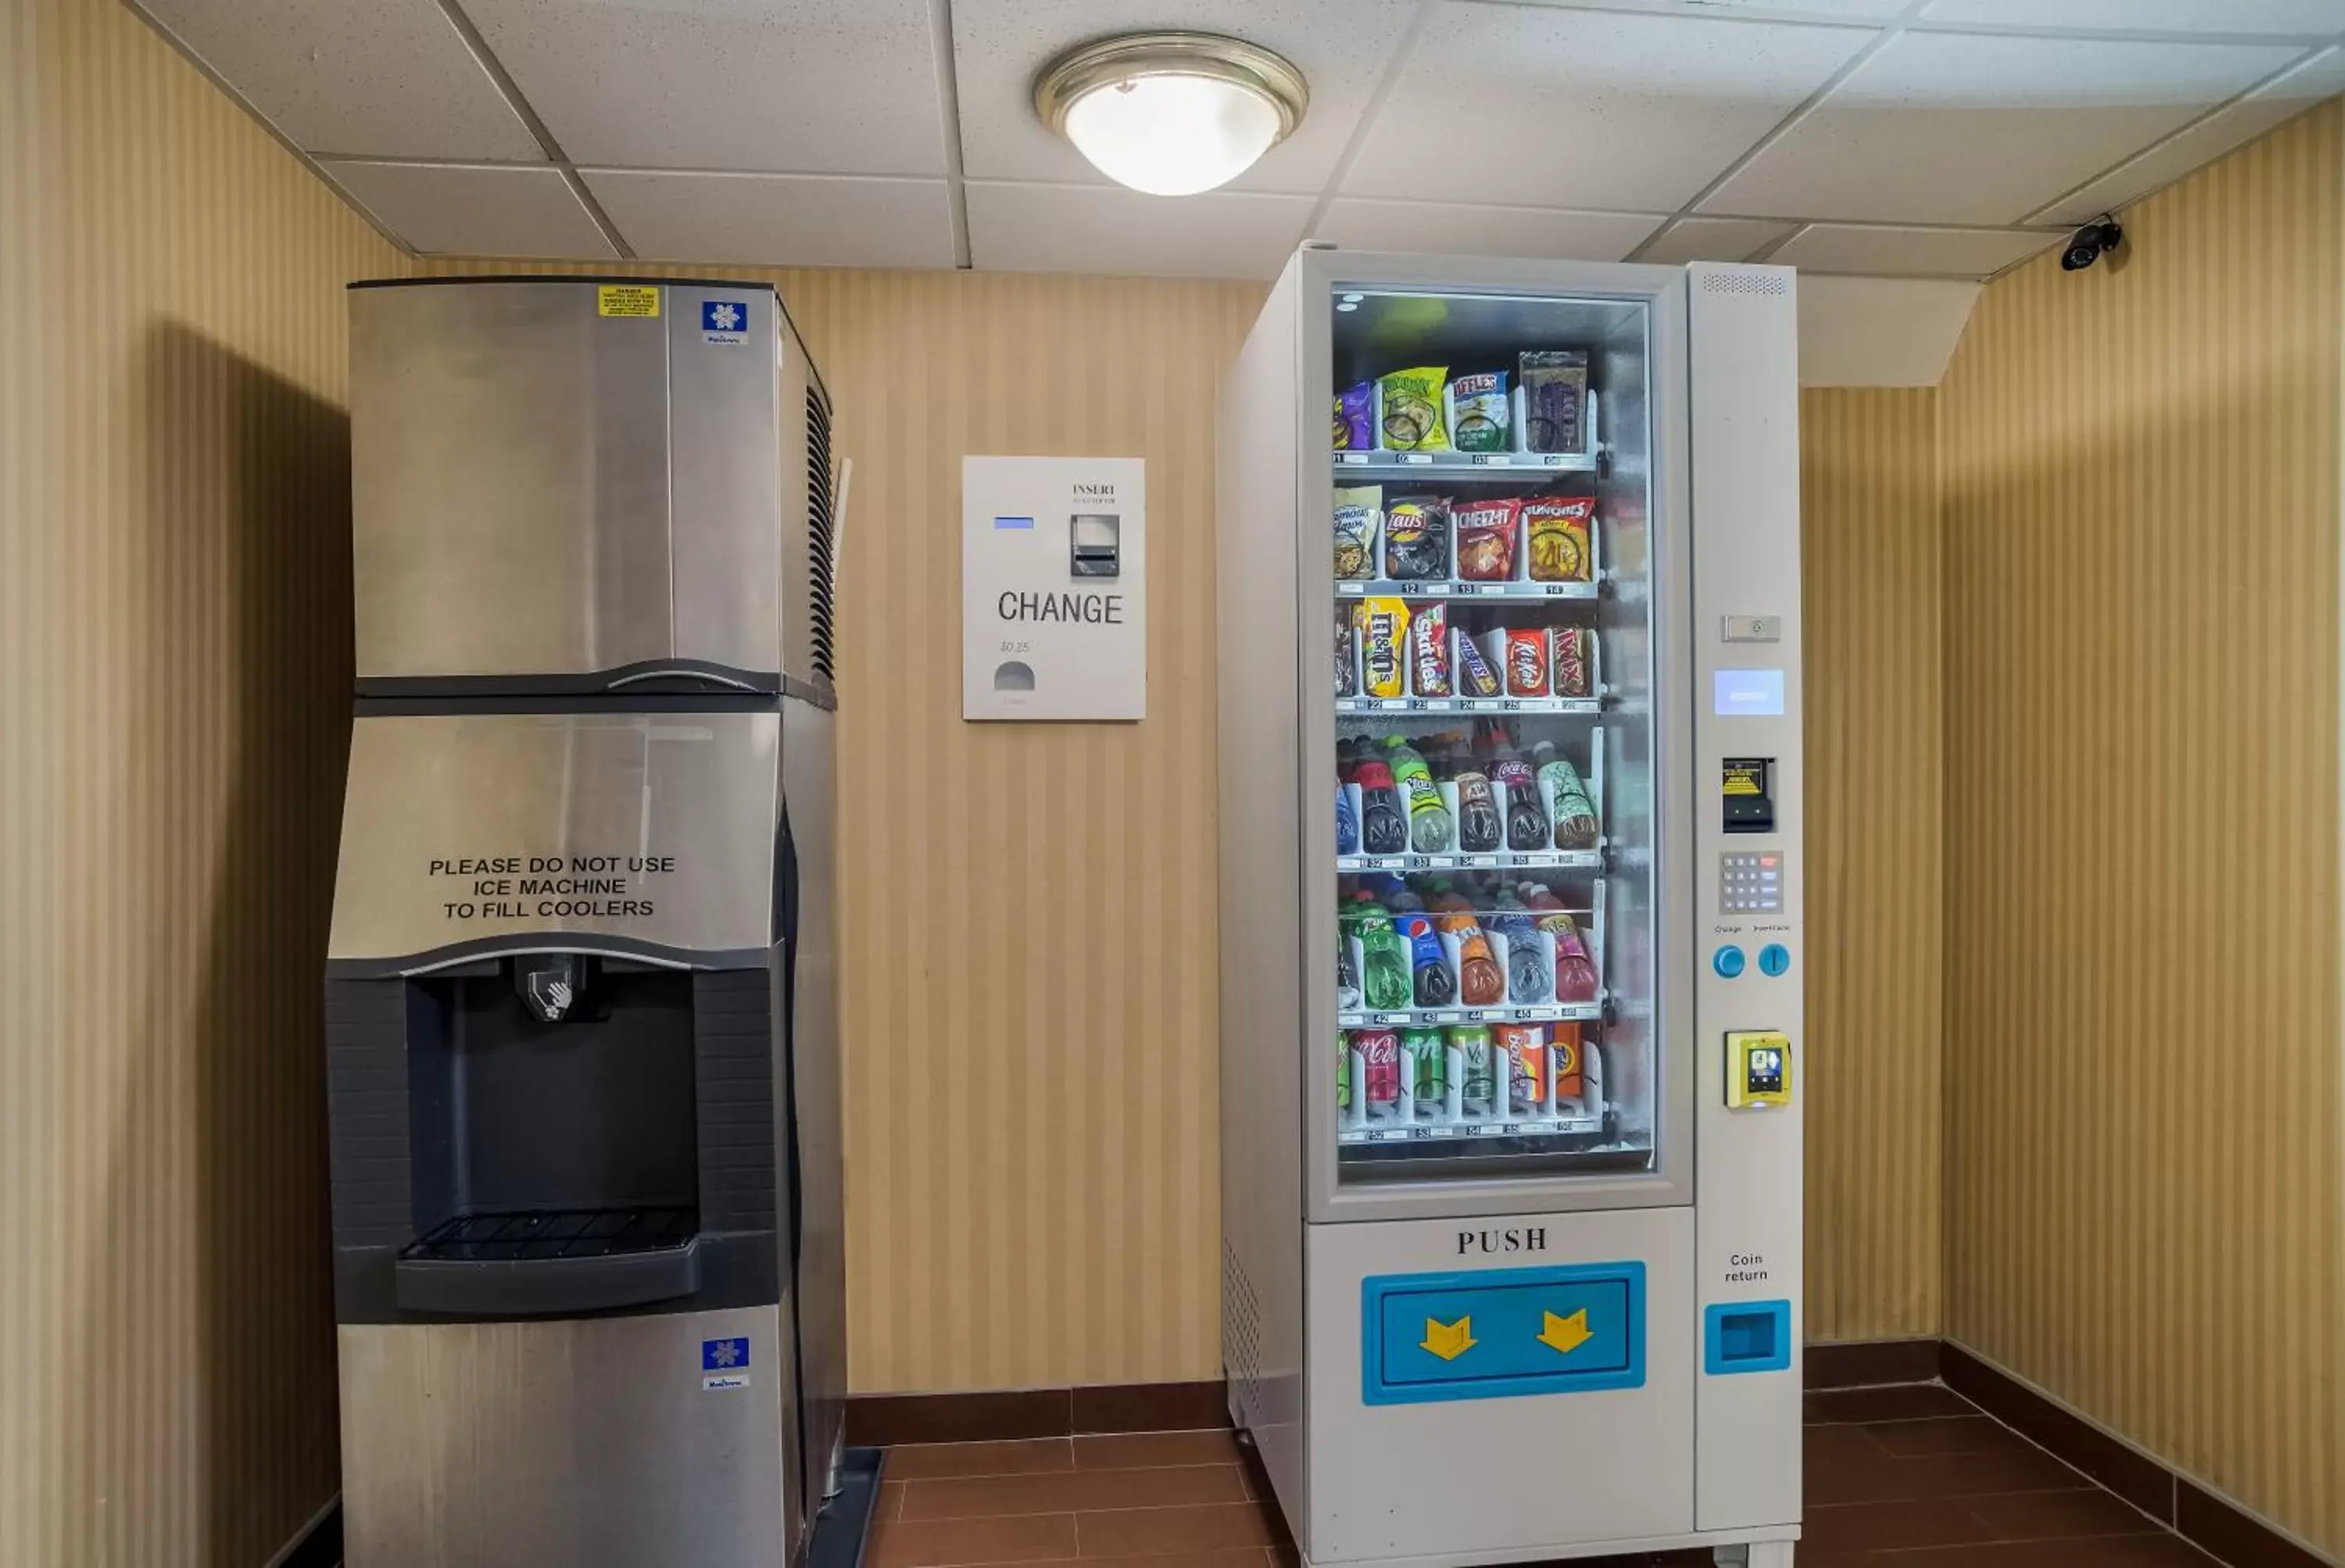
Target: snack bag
{"x": 1558, "y": 538}
{"x": 1563, "y": 1049}
{"x": 1481, "y": 418}
{"x": 1523, "y": 1048}
{"x": 1384, "y": 642}
{"x": 1526, "y": 661}
{"x": 1359, "y": 518}
{"x": 1575, "y": 661}
{"x": 1555, "y": 399}
{"x": 1474, "y": 672}
{"x": 1416, "y": 539}
{"x": 1429, "y": 652}
{"x": 1348, "y": 655}
{"x": 1429, "y": 828}
{"x": 1410, "y": 406}
{"x": 1356, "y": 418}
{"x": 1485, "y": 539}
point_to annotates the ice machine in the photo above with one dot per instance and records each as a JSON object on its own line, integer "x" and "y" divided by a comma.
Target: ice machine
{"x": 1510, "y": 892}
{"x": 580, "y": 992}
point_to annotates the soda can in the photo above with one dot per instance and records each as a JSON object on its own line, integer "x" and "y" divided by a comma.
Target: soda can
{"x": 1379, "y": 1051}
{"x": 1476, "y": 1080}
{"x": 1342, "y": 1071}
{"x": 1524, "y": 1046}
{"x": 1428, "y": 1065}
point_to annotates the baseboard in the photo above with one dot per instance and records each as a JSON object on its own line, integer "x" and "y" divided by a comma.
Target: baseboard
{"x": 2213, "y": 1524}
{"x": 998, "y": 1415}
{"x": 1870, "y": 1363}
{"x": 319, "y": 1543}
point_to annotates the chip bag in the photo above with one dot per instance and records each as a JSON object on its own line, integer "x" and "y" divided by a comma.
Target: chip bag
{"x": 1416, "y": 539}
{"x": 1558, "y": 539}
{"x": 1359, "y": 517}
{"x": 1481, "y": 416}
{"x": 1485, "y": 539}
{"x": 1410, "y": 403}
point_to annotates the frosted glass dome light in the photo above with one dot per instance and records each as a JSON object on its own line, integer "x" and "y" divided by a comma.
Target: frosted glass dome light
{"x": 1172, "y": 113}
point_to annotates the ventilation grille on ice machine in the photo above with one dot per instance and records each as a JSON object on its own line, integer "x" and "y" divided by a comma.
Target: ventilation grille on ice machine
{"x": 820, "y": 554}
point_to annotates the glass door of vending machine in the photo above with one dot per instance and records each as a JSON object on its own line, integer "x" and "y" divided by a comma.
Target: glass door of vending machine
{"x": 1497, "y": 751}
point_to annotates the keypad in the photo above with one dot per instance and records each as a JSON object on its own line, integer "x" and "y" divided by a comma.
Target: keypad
{"x": 1750, "y": 881}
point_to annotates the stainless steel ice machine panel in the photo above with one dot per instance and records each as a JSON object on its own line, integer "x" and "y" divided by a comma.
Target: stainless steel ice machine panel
{"x": 577, "y": 483}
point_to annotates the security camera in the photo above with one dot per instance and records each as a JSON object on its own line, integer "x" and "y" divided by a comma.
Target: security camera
{"x": 2085, "y": 247}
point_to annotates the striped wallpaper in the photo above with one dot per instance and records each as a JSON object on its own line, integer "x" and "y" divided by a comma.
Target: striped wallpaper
{"x": 1869, "y": 590}
{"x": 2142, "y": 1061}
{"x": 173, "y": 627}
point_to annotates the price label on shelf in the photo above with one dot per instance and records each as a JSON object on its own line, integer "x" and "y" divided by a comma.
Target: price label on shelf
{"x": 1351, "y": 457}
{"x": 1424, "y": 459}
{"x": 1417, "y": 863}
{"x": 1451, "y": 1017}
{"x": 1392, "y": 1020}
{"x": 1391, "y": 704}
{"x": 1480, "y": 861}
{"x": 1380, "y": 862}
{"x": 1435, "y": 590}
{"x": 1493, "y": 460}
{"x": 1476, "y": 1016}
{"x": 1351, "y": 587}
{"x": 1510, "y": 704}
{"x": 1563, "y": 590}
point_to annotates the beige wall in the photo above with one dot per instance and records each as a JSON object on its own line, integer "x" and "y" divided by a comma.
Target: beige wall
{"x": 2143, "y": 1056}
{"x": 1875, "y": 989}
{"x": 174, "y": 628}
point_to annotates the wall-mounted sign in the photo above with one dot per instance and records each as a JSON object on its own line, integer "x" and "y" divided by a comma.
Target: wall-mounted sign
{"x": 1054, "y": 587}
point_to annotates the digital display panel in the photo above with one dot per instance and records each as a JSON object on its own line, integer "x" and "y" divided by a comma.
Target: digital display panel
{"x": 1747, "y": 693}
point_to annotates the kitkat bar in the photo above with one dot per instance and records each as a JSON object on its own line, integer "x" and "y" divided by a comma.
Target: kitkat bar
{"x": 1525, "y": 661}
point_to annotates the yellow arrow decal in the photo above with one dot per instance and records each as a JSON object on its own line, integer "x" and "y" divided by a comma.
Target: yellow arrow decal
{"x": 1567, "y": 1334}
{"x": 1449, "y": 1340}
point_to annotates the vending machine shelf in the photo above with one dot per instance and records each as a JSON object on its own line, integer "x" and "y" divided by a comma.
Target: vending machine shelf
{"x": 1446, "y": 588}
{"x": 1508, "y": 860}
{"x": 1402, "y": 707}
{"x": 1424, "y": 1132}
{"x": 1432, "y": 1017}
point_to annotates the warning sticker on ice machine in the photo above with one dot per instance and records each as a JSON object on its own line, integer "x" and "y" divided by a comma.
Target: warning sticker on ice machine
{"x": 724, "y": 1363}
{"x": 627, "y": 299}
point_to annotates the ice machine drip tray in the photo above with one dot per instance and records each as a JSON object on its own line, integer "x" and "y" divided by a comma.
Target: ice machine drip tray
{"x": 520, "y": 1263}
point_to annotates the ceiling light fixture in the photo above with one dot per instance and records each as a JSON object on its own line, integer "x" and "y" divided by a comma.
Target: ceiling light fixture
{"x": 1171, "y": 114}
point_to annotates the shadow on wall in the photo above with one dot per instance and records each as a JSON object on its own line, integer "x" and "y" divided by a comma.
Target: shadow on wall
{"x": 234, "y": 637}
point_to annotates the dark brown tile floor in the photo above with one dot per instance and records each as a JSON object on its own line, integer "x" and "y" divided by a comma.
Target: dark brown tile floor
{"x": 1913, "y": 1477}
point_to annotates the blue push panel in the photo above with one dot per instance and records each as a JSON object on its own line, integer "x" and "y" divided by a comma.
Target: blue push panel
{"x": 1746, "y": 1337}
{"x": 1498, "y": 1333}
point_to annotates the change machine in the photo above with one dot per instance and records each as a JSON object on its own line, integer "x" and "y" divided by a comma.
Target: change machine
{"x": 579, "y": 1026}
{"x": 1511, "y": 888}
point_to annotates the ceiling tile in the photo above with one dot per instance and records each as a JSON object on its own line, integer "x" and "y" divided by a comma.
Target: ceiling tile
{"x": 385, "y": 79}
{"x": 778, "y": 221}
{"x": 1757, "y": 10}
{"x": 1523, "y": 106}
{"x": 2297, "y": 17}
{"x": 1341, "y": 46}
{"x": 1534, "y": 232}
{"x": 1934, "y": 252}
{"x": 818, "y": 86}
{"x": 1109, "y": 230}
{"x": 474, "y": 211}
{"x": 1712, "y": 239}
{"x": 2000, "y": 124}
{"x": 2321, "y": 76}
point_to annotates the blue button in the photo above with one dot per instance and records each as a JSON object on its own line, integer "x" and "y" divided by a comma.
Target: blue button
{"x": 1775, "y": 958}
{"x": 1727, "y": 961}
{"x": 1491, "y": 1333}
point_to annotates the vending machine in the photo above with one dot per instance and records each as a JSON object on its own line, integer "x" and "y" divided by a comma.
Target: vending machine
{"x": 1510, "y": 892}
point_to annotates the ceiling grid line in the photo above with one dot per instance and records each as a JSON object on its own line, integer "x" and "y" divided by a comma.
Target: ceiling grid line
{"x": 518, "y": 102}
{"x": 1881, "y": 40}
{"x": 1404, "y": 50}
{"x": 941, "y": 46}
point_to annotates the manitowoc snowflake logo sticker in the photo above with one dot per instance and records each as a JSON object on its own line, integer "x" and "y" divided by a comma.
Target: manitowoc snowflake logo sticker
{"x": 724, "y": 1363}
{"x": 724, "y": 322}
